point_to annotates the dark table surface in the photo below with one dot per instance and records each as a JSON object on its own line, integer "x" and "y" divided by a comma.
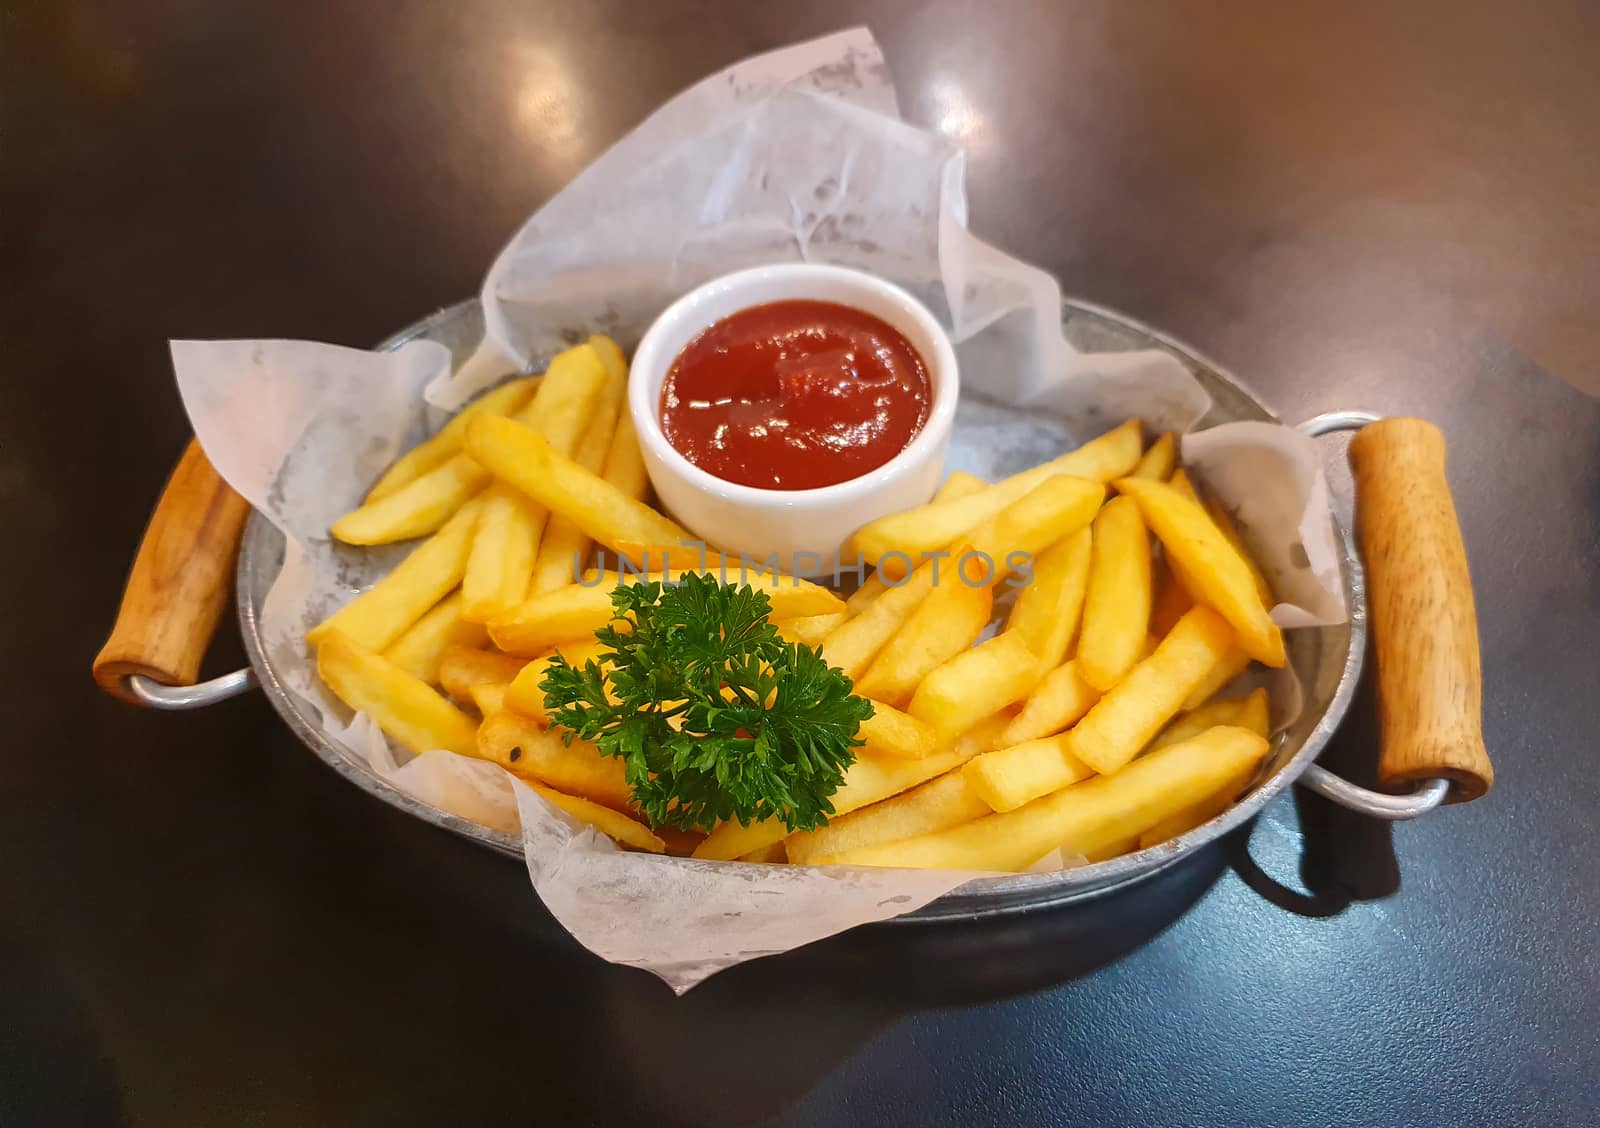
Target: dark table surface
{"x": 1385, "y": 206}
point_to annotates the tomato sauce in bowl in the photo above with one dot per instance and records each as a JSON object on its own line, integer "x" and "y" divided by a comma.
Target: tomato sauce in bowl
{"x": 795, "y": 395}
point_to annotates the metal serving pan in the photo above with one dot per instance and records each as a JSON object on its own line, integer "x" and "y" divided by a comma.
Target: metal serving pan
{"x": 178, "y": 587}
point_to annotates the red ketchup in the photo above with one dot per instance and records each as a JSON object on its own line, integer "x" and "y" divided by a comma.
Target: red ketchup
{"x": 795, "y": 395}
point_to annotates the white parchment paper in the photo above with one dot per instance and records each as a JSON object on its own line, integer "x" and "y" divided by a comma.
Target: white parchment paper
{"x": 795, "y": 155}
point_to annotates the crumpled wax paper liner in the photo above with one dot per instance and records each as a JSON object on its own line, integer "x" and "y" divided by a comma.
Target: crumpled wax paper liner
{"x": 799, "y": 154}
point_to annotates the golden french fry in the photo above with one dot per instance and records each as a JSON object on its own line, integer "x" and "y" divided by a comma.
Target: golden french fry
{"x": 507, "y": 399}
{"x": 869, "y": 780}
{"x": 1219, "y": 517}
{"x": 948, "y": 621}
{"x": 419, "y": 650}
{"x": 889, "y": 732}
{"x": 526, "y": 696}
{"x": 1114, "y": 849}
{"x": 613, "y": 824}
{"x": 489, "y": 697}
{"x": 1116, "y": 608}
{"x": 521, "y": 457}
{"x": 958, "y": 485}
{"x": 463, "y": 667}
{"x": 624, "y": 468}
{"x": 1181, "y": 482}
{"x": 403, "y": 706}
{"x": 1228, "y": 667}
{"x": 506, "y": 548}
{"x": 1213, "y": 570}
{"x": 773, "y": 855}
{"x": 1159, "y": 460}
{"x": 810, "y": 630}
{"x": 936, "y": 525}
{"x": 526, "y": 750}
{"x": 1199, "y": 813}
{"x": 1087, "y": 818}
{"x": 942, "y": 802}
{"x": 1056, "y": 508}
{"x": 1170, "y": 602}
{"x": 418, "y": 508}
{"x": 1047, "y": 610}
{"x": 1059, "y": 701}
{"x": 1123, "y": 721}
{"x": 975, "y": 684}
{"x": 1009, "y": 777}
{"x": 564, "y": 546}
{"x": 390, "y": 607}
{"x": 578, "y": 610}
{"x": 1245, "y": 712}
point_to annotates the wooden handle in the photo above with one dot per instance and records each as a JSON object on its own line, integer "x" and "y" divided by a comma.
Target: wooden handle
{"x": 180, "y": 580}
{"x": 1424, "y": 626}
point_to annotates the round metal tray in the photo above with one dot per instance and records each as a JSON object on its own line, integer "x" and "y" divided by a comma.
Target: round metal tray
{"x": 1327, "y": 660}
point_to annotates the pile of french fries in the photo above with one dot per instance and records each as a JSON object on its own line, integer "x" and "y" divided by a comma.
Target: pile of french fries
{"x": 1091, "y": 718}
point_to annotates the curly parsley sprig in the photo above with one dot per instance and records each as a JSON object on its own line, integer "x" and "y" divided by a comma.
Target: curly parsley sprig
{"x": 714, "y": 716}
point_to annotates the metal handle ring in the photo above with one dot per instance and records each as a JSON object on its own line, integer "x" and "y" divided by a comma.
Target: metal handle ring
{"x": 197, "y": 696}
{"x": 1376, "y": 804}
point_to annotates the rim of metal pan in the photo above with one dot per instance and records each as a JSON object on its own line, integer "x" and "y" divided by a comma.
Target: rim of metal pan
{"x": 1328, "y": 659}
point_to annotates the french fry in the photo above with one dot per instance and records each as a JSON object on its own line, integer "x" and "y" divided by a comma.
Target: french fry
{"x": 975, "y": 684}
{"x": 1047, "y": 610}
{"x": 1159, "y": 460}
{"x": 680, "y": 843}
{"x": 624, "y": 469}
{"x": 564, "y": 545}
{"x": 507, "y": 399}
{"x": 525, "y": 696}
{"x": 577, "y": 611}
{"x": 1116, "y": 608}
{"x": 946, "y": 623}
{"x": 958, "y": 485}
{"x": 1171, "y": 600}
{"x": 773, "y": 855}
{"x": 613, "y": 824}
{"x": 1086, "y": 818}
{"x": 489, "y": 697}
{"x": 1181, "y": 482}
{"x": 1245, "y": 712}
{"x": 532, "y": 753}
{"x": 942, "y": 802}
{"x": 809, "y": 630}
{"x": 403, "y": 706}
{"x": 386, "y": 610}
{"x": 889, "y": 732}
{"x": 1208, "y": 562}
{"x": 1009, "y": 777}
{"x": 1054, "y": 509}
{"x": 463, "y": 667}
{"x": 938, "y": 524}
{"x": 1228, "y": 667}
{"x": 1224, "y": 523}
{"x": 1059, "y": 701}
{"x": 522, "y": 457}
{"x": 869, "y": 780}
{"x": 1123, "y": 721}
{"x": 1199, "y": 813}
{"x": 419, "y": 650}
{"x": 418, "y": 508}
{"x": 1114, "y": 849}
{"x": 574, "y": 398}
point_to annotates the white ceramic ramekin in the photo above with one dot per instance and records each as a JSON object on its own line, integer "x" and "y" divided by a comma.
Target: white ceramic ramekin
{"x": 804, "y": 528}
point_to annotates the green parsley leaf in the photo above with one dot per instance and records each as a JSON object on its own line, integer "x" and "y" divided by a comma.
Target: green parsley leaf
{"x": 714, "y": 716}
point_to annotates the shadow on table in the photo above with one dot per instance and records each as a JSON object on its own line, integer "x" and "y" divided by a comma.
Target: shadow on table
{"x": 1345, "y": 856}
